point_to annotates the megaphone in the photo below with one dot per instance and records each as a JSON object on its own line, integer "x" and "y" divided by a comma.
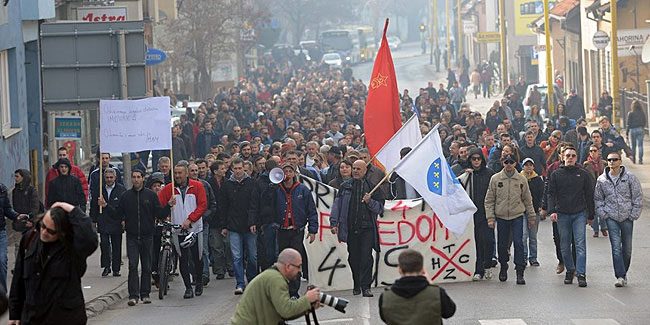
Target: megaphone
{"x": 276, "y": 175}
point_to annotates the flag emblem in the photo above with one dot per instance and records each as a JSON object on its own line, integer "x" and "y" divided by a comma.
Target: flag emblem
{"x": 434, "y": 179}
{"x": 378, "y": 81}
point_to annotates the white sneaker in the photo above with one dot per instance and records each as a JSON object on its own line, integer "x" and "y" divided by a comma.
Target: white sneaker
{"x": 477, "y": 277}
{"x": 488, "y": 275}
{"x": 620, "y": 282}
{"x": 239, "y": 291}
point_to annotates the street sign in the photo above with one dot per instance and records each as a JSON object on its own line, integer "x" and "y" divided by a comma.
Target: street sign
{"x": 80, "y": 63}
{"x": 67, "y": 127}
{"x": 540, "y": 48}
{"x": 600, "y": 39}
{"x": 469, "y": 27}
{"x": 645, "y": 52}
{"x": 155, "y": 56}
{"x": 488, "y": 37}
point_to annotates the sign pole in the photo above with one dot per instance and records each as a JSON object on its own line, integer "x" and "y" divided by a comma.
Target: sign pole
{"x": 171, "y": 172}
{"x": 124, "y": 83}
{"x": 549, "y": 62}
{"x": 504, "y": 55}
{"x": 101, "y": 181}
{"x": 614, "y": 69}
{"x": 459, "y": 26}
{"x": 448, "y": 36}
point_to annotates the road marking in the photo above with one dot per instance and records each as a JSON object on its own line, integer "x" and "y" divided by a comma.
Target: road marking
{"x": 328, "y": 321}
{"x": 365, "y": 311}
{"x": 502, "y": 321}
{"x": 601, "y": 321}
{"x": 612, "y": 297}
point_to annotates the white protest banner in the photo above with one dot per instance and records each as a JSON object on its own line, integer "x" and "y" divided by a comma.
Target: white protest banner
{"x": 405, "y": 224}
{"x": 134, "y": 125}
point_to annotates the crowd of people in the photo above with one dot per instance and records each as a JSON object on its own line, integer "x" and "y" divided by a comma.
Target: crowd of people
{"x": 518, "y": 168}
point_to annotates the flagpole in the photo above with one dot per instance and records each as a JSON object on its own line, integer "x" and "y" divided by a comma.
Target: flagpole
{"x": 381, "y": 181}
{"x": 435, "y": 128}
{"x": 389, "y": 140}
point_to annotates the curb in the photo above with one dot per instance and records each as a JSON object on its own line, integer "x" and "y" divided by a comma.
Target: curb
{"x": 103, "y": 302}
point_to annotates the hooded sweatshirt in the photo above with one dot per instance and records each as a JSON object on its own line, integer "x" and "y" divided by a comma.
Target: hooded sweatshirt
{"x": 66, "y": 188}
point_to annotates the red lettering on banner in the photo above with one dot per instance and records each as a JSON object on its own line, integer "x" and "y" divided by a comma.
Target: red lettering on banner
{"x": 381, "y": 241}
{"x": 399, "y": 231}
{"x": 399, "y": 206}
{"x": 321, "y": 224}
{"x": 417, "y": 226}
{"x": 438, "y": 223}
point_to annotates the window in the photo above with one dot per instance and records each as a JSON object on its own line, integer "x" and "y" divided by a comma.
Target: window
{"x": 5, "y": 108}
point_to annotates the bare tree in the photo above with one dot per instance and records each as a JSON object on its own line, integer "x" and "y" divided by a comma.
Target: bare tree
{"x": 303, "y": 14}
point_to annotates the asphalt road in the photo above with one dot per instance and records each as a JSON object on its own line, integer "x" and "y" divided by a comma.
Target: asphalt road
{"x": 543, "y": 300}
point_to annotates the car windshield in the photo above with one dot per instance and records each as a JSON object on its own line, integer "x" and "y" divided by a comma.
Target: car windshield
{"x": 331, "y": 56}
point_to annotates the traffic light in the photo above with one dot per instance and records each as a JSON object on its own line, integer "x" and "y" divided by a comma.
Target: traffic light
{"x": 422, "y": 28}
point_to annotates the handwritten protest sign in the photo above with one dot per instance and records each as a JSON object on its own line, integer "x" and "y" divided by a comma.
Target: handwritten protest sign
{"x": 405, "y": 224}
{"x": 135, "y": 125}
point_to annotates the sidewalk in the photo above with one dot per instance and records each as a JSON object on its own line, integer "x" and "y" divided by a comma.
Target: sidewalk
{"x": 99, "y": 293}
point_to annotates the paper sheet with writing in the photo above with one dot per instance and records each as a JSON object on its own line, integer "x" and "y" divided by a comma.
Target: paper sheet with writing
{"x": 135, "y": 125}
{"x": 405, "y": 224}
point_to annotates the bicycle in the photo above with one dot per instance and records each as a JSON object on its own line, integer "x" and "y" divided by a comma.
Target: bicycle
{"x": 166, "y": 256}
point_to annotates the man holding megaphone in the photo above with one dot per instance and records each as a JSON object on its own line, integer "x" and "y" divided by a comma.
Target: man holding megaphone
{"x": 295, "y": 209}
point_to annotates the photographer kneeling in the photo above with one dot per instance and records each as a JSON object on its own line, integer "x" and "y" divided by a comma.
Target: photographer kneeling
{"x": 266, "y": 299}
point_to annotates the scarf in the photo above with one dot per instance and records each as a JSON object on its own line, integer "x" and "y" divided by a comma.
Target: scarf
{"x": 531, "y": 176}
{"x": 289, "y": 214}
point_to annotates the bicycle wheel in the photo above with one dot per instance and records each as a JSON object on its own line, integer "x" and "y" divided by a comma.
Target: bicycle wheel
{"x": 163, "y": 275}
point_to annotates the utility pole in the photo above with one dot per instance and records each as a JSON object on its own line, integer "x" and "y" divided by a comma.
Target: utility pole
{"x": 504, "y": 55}
{"x": 126, "y": 157}
{"x": 432, "y": 35}
{"x": 448, "y": 35}
{"x": 459, "y": 26}
{"x": 435, "y": 32}
{"x": 549, "y": 62}
{"x": 614, "y": 69}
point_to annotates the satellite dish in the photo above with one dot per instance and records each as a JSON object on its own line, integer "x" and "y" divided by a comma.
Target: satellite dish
{"x": 276, "y": 175}
{"x": 645, "y": 52}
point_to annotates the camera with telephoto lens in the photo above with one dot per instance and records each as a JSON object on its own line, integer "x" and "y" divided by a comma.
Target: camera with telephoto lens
{"x": 335, "y": 302}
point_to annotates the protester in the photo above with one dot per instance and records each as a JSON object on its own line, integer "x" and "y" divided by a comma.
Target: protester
{"x": 187, "y": 205}
{"x": 210, "y": 211}
{"x": 571, "y": 204}
{"x": 596, "y": 166}
{"x": 354, "y": 221}
{"x": 66, "y": 188}
{"x": 139, "y": 208}
{"x": 62, "y": 152}
{"x": 267, "y": 237}
{"x": 218, "y": 242}
{"x": 536, "y": 186}
{"x": 618, "y": 199}
{"x": 6, "y": 211}
{"x": 24, "y": 198}
{"x": 477, "y": 185}
{"x": 238, "y": 205}
{"x": 412, "y": 299}
{"x": 51, "y": 293}
{"x": 93, "y": 177}
{"x": 507, "y": 200}
{"x": 109, "y": 222}
{"x": 267, "y": 300}
{"x": 294, "y": 209}
{"x": 636, "y": 122}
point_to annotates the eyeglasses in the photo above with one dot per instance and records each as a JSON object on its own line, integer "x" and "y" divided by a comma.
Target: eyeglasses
{"x": 475, "y": 158}
{"x": 593, "y": 150}
{"x": 613, "y": 159}
{"x": 555, "y": 137}
{"x": 570, "y": 155}
{"x": 509, "y": 162}
{"x": 49, "y": 230}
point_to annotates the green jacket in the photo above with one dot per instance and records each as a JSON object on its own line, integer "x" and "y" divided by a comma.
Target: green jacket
{"x": 423, "y": 308}
{"x": 508, "y": 197}
{"x": 266, "y": 301}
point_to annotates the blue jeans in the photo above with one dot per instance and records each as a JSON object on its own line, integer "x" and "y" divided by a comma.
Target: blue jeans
{"x": 206, "y": 249}
{"x": 530, "y": 238}
{"x": 598, "y": 225}
{"x": 575, "y": 222}
{"x": 620, "y": 236}
{"x": 636, "y": 137}
{"x": 3, "y": 259}
{"x": 239, "y": 241}
{"x": 504, "y": 229}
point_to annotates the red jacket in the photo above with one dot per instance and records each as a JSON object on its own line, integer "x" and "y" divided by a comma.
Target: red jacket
{"x": 75, "y": 171}
{"x": 195, "y": 195}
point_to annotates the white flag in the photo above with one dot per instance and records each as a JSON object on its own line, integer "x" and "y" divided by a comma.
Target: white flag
{"x": 426, "y": 169}
{"x": 408, "y": 135}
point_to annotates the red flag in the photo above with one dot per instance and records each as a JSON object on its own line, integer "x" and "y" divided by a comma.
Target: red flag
{"x": 381, "y": 118}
